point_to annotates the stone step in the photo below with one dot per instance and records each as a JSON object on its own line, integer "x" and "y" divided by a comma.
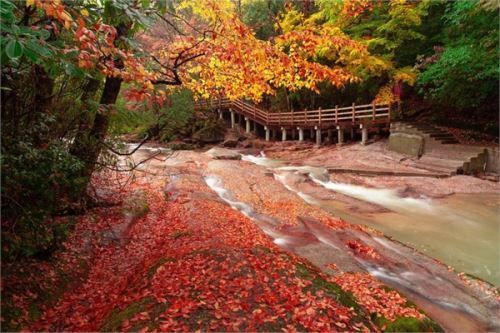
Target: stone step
{"x": 437, "y": 164}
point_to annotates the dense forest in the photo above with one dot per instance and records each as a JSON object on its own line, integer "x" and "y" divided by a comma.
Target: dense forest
{"x": 76, "y": 75}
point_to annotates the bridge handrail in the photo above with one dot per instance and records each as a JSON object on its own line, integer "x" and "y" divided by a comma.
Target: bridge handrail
{"x": 346, "y": 114}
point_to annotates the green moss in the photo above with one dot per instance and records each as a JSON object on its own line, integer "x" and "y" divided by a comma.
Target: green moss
{"x": 407, "y": 324}
{"x": 114, "y": 320}
{"x": 154, "y": 313}
{"x": 137, "y": 205}
{"x": 152, "y": 270}
{"x": 47, "y": 295}
{"x": 10, "y": 312}
{"x": 259, "y": 249}
{"x": 200, "y": 319}
{"x": 34, "y": 312}
{"x": 318, "y": 283}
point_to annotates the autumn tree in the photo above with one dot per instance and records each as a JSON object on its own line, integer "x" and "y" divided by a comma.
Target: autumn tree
{"x": 362, "y": 36}
{"x": 80, "y": 54}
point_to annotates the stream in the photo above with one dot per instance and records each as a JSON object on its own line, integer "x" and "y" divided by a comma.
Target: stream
{"x": 461, "y": 230}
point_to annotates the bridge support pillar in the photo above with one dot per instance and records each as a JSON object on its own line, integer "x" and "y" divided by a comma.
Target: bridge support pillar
{"x": 283, "y": 134}
{"x": 364, "y": 134}
{"x": 267, "y": 133}
{"x": 340, "y": 133}
{"x": 301, "y": 134}
{"x": 220, "y": 113}
{"x": 247, "y": 123}
{"x": 232, "y": 118}
{"x": 352, "y": 133}
{"x": 318, "y": 135}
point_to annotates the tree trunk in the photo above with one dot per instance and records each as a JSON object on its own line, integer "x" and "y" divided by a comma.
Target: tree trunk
{"x": 88, "y": 145}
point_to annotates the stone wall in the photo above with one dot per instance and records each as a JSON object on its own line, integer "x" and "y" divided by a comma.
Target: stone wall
{"x": 493, "y": 160}
{"x": 405, "y": 143}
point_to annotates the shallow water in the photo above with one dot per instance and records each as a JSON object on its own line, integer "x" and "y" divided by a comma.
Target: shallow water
{"x": 461, "y": 230}
{"x": 462, "y": 233}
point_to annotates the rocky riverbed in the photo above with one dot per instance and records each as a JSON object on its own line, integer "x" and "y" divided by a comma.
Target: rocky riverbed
{"x": 271, "y": 240}
{"x": 327, "y": 217}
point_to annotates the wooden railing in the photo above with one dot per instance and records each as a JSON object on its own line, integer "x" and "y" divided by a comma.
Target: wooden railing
{"x": 354, "y": 114}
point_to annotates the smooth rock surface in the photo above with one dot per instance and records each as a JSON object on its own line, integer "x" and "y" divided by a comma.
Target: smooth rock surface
{"x": 218, "y": 153}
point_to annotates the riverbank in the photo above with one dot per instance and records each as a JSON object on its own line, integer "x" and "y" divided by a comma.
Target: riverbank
{"x": 174, "y": 256}
{"x": 197, "y": 242}
{"x": 377, "y": 157}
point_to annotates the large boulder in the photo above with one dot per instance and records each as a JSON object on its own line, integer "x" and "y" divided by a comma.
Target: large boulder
{"x": 218, "y": 153}
{"x": 232, "y": 138}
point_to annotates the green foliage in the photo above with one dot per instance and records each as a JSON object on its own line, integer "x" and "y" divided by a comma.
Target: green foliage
{"x": 34, "y": 180}
{"x": 177, "y": 115}
{"x": 464, "y": 73}
{"x": 260, "y": 16}
{"x": 128, "y": 121}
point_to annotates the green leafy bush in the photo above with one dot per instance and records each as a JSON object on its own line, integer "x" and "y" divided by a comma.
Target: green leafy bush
{"x": 36, "y": 182}
{"x": 464, "y": 70}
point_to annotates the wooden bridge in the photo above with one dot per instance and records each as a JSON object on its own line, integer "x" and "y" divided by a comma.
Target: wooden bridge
{"x": 362, "y": 117}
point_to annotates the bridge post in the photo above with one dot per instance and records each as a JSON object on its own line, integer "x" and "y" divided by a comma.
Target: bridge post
{"x": 318, "y": 135}
{"x": 232, "y": 118}
{"x": 247, "y": 127}
{"x": 283, "y": 134}
{"x": 267, "y": 133}
{"x": 301, "y": 134}
{"x": 364, "y": 134}
{"x": 352, "y": 132}
{"x": 220, "y": 113}
{"x": 340, "y": 133}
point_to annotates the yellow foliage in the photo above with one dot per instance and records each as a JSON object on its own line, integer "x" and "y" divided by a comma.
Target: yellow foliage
{"x": 386, "y": 95}
{"x": 406, "y": 75}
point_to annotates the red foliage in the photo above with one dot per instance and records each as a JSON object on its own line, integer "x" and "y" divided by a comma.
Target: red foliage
{"x": 211, "y": 267}
{"x": 363, "y": 249}
{"x": 375, "y": 298}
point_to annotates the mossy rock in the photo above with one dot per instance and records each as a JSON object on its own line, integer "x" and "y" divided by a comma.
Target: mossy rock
{"x": 407, "y": 324}
{"x": 318, "y": 283}
{"x": 114, "y": 320}
{"x": 152, "y": 270}
{"x": 136, "y": 205}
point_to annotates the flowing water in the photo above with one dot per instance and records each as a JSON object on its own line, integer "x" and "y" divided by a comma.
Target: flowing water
{"x": 433, "y": 288}
{"x": 461, "y": 230}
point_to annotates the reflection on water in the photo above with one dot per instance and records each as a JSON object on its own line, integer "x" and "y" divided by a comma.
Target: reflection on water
{"x": 462, "y": 230}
